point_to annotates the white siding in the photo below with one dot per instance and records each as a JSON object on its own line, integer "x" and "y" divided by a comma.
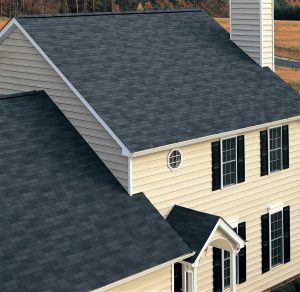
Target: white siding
{"x": 22, "y": 68}
{"x": 190, "y": 186}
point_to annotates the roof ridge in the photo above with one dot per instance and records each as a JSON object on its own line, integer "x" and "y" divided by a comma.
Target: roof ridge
{"x": 110, "y": 13}
{"x": 21, "y": 94}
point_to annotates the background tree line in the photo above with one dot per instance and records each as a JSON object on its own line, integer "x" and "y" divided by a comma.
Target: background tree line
{"x": 11, "y": 8}
{"x": 287, "y": 9}
{"x": 284, "y": 9}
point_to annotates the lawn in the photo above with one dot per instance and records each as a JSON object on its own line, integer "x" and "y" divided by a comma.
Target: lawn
{"x": 287, "y": 45}
{"x": 287, "y": 37}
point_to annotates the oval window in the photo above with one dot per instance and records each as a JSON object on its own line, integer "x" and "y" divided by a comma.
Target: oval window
{"x": 174, "y": 159}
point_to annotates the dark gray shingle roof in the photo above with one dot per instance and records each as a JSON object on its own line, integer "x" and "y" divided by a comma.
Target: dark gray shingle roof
{"x": 66, "y": 224}
{"x": 160, "y": 78}
{"x": 194, "y": 227}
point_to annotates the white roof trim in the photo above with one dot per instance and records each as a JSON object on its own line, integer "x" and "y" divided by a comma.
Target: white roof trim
{"x": 130, "y": 278}
{"x": 8, "y": 29}
{"x": 225, "y": 227}
{"x": 215, "y": 136}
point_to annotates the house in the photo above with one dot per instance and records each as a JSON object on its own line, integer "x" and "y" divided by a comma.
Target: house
{"x": 182, "y": 114}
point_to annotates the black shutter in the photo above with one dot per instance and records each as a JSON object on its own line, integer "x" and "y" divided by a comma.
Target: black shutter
{"x": 264, "y": 162}
{"x": 177, "y": 277}
{"x": 241, "y": 159}
{"x": 217, "y": 269}
{"x": 242, "y": 254}
{"x": 216, "y": 165}
{"x": 285, "y": 147}
{"x": 286, "y": 230}
{"x": 265, "y": 243}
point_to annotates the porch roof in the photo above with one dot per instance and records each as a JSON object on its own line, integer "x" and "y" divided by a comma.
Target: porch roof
{"x": 199, "y": 229}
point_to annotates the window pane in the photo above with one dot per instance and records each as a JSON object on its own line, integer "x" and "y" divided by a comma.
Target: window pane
{"x": 275, "y": 149}
{"x": 229, "y": 161}
{"x": 175, "y": 159}
{"x": 276, "y": 239}
{"x": 226, "y": 269}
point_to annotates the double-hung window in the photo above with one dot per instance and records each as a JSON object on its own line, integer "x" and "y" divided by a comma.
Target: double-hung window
{"x": 274, "y": 149}
{"x": 229, "y": 162}
{"x": 276, "y": 227}
{"x": 275, "y": 237}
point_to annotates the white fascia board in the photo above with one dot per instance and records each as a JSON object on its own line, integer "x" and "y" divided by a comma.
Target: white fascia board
{"x": 215, "y": 136}
{"x": 138, "y": 275}
{"x": 15, "y": 24}
{"x": 226, "y": 228}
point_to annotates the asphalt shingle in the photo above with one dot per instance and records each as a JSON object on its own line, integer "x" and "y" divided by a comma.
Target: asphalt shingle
{"x": 66, "y": 224}
{"x": 194, "y": 227}
{"x": 162, "y": 77}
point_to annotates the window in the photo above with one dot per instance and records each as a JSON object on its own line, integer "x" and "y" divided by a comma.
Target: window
{"x": 229, "y": 162}
{"x": 174, "y": 159}
{"x": 275, "y": 237}
{"x": 276, "y": 227}
{"x": 274, "y": 150}
{"x": 226, "y": 269}
{"x": 275, "y": 146}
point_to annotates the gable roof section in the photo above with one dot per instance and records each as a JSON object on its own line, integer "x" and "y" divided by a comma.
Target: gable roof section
{"x": 163, "y": 77}
{"x": 196, "y": 229}
{"x": 66, "y": 223}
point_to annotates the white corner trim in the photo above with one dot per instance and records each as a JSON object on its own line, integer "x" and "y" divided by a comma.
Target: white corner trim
{"x": 13, "y": 23}
{"x": 261, "y": 31}
{"x": 130, "y": 278}
{"x": 275, "y": 208}
{"x": 230, "y": 18}
{"x": 130, "y": 180}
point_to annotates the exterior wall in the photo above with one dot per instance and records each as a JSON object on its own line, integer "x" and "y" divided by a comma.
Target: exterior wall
{"x": 246, "y": 28}
{"x": 158, "y": 281}
{"x": 268, "y": 23}
{"x": 190, "y": 186}
{"x": 22, "y": 68}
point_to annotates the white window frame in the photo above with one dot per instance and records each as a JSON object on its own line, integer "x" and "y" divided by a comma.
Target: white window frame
{"x": 168, "y": 160}
{"x": 236, "y": 161}
{"x": 273, "y": 210}
{"x": 269, "y": 150}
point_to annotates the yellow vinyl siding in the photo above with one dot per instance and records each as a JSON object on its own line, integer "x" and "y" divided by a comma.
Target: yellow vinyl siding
{"x": 22, "y": 68}
{"x": 158, "y": 281}
{"x": 190, "y": 186}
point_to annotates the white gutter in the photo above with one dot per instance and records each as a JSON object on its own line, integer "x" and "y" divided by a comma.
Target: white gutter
{"x": 10, "y": 27}
{"x": 130, "y": 278}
